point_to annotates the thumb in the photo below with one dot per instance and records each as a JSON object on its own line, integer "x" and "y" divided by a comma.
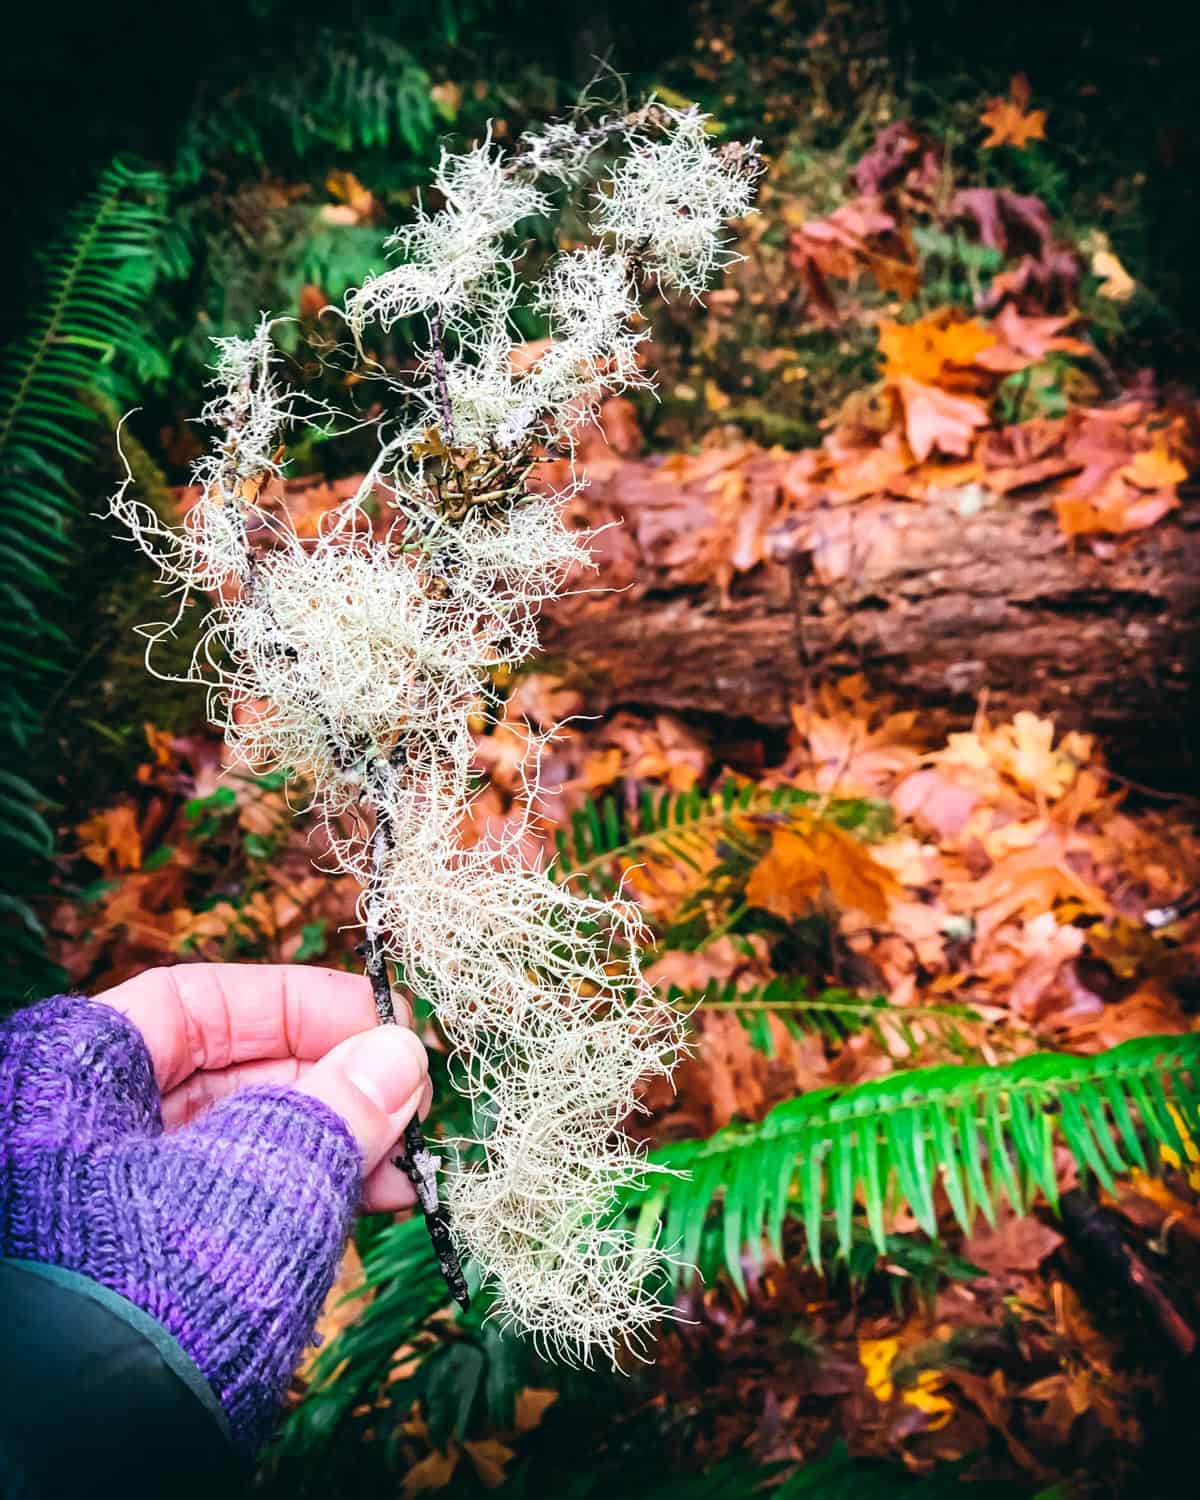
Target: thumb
{"x": 375, "y": 1081}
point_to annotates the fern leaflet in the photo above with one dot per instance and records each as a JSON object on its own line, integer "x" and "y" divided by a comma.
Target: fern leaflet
{"x": 978, "y": 1132}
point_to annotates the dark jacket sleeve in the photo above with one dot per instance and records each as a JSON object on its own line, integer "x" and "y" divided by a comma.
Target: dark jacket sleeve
{"x": 99, "y": 1400}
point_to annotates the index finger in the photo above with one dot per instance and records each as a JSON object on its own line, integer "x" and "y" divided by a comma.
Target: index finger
{"x": 197, "y": 1017}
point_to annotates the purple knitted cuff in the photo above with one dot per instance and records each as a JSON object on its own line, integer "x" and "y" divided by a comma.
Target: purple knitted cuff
{"x": 227, "y": 1232}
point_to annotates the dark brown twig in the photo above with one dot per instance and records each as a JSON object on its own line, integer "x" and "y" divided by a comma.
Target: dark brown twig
{"x": 439, "y": 375}
{"x": 418, "y": 1163}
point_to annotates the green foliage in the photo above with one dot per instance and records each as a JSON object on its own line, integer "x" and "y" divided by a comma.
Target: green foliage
{"x": 344, "y": 93}
{"x": 83, "y": 334}
{"x": 833, "y": 1015}
{"x": 713, "y": 838}
{"x": 408, "y": 1288}
{"x": 838, "y": 1476}
{"x": 978, "y": 1131}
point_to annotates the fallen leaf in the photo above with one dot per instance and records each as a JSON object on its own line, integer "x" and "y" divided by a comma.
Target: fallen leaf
{"x": 433, "y": 1472}
{"x": 110, "y": 839}
{"x": 929, "y": 348}
{"x": 1116, "y": 283}
{"x": 489, "y": 1458}
{"x": 933, "y": 419}
{"x": 531, "y": 1406}
{"x": 802, "y": 862}
{"x": 878, "y": 1356}
{"x": 1154, "y": 468}
{"x": 1010, "y": 121}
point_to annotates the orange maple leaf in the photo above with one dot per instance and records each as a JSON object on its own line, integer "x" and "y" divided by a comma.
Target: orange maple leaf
{"x": 110, "y": 838}
{"x": 1011, "y": 121}
{"x": 1116, "y": 509}
{"x": 933, "y": 350}
{"x": 810, "y": 855}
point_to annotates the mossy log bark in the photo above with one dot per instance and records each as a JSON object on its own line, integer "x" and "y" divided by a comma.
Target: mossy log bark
{"x": 719, "y": 599}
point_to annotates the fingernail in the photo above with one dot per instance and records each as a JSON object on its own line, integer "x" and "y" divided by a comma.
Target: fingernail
{"x": 412, "y": 1105}
{"x": 388, "y": 1065}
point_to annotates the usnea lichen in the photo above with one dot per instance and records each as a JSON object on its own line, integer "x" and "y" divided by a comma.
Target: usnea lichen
{"x": 353, "y": 660}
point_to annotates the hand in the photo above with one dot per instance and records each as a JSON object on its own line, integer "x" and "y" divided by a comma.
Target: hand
{"x": 226, "y": 1229}
{"x": 212, "y": 1029}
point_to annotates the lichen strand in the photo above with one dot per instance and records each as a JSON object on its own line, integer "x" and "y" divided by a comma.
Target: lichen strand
{"x": 354, "y": 660}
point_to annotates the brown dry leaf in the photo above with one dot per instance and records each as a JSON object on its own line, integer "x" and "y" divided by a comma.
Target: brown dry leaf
{"x": 523, "y": 357}
{"x": 666, "y": 751}
{"x": 163, "y": 747}
{"x": 935, "y": 419}
{"x": 602, "y": 769}
{"x": 531, "y": 1406}
{"x": 192, "y": 925}
{"x": 847, "y": 744}
{"x": 433, "y": 1472}
{"x": 1116, "y": 510}
{"x": 110, "y": 839}
{"x": 1019, "y": 1243}
{"x": 489, "y": 1458}
{"x": 544, "y": 699}
{"x": 1027, "y": 883}
{"x": 1022, "y": 340}
{"x": 812, "y": 855}
{"x": 940, "y": 803}
{"x": 503, "y": 753}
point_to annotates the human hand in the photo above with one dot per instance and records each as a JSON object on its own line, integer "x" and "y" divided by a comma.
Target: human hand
{"x": 212, "y": 1029}
{"x": 285, "y": 1102}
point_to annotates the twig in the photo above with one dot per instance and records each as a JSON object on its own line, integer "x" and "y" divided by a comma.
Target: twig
{"x": 418, "y": 1163}
{"x": 439, "y": 375}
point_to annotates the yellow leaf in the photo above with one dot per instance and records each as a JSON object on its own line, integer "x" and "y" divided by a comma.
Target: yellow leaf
{"x": 1116, "y": 283}
{"x": 1191, "y": 1150}
{"x": 877, "y": 1357}
{"x": 345, "y": 188}
{"x": 715, "y": 398}
{"x": 1154, "y": 468}
{"x": 431, "y": 446}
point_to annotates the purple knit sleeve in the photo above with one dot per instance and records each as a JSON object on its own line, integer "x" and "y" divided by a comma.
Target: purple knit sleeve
{"x": 228, "y": 1231}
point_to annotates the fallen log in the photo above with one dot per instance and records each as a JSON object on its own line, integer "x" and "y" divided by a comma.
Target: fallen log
{"x": 714, "y": 594}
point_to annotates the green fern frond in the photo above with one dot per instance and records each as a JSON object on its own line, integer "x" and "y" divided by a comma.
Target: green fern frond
{"x": 685, "y": 827}
{"x": 407, "y": 1289}
{"x": 978, "y": 1132}
{"x": 96, "y": 281}
{"x": 349, "y": 92}
{"x": 834, "y": 1014}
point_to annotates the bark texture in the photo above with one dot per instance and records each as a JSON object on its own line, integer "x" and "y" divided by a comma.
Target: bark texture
{"x": 719, "y": 597}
